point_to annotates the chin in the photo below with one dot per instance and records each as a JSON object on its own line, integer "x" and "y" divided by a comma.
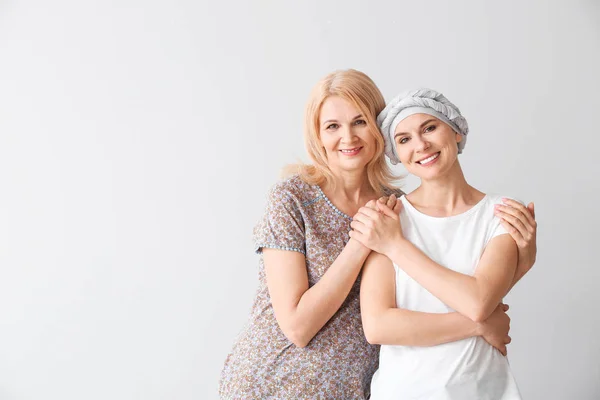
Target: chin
{"x": 354, "y": 166}
{"x": 353, "y": 163}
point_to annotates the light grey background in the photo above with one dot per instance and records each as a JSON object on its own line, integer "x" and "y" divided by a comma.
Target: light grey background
{"x": 138, "y": 140}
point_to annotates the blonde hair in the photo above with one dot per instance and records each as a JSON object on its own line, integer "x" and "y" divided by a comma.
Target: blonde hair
{"x": 360, "y": 91}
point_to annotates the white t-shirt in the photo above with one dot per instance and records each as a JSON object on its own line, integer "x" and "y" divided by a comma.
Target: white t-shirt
{"x": 469, "y": 369}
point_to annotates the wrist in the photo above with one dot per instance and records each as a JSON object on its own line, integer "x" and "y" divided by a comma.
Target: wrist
{"x": 479, "y": 328}
{"x": 395, "y": 249}
{"x": 357, "y": 248}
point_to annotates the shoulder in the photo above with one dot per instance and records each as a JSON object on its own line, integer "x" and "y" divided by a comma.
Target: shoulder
{"x": 293, "y": 189}
{"x": 488, "y": 216}
{"x": 494, "y": 198}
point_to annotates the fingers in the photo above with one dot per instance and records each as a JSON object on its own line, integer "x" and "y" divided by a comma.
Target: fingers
{"x": 364, "y": 219}
{"x": 512, "y": 211}
{"x": 388, "y": 211}
{"x": 368, "y": 212}
{"x": 356, "y": 235}
{"x": 390, "y": 201}
{"x": 503, "y": 350}
{"x": 368, "y": 217}
{"x": 516, "y": 219}
{"x": 398, "y": 207}
{"x": 515, "y": 233}
{"x": 531, "y": 208}
{"x": 382, "y": 200}
{"x": 520, "y": 207}
{"x": 372, "y": 204}
{"x": 358, "y": 226}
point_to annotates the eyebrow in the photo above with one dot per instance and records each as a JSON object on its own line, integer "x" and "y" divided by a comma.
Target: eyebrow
{"x": 335, "y": 120}
{"x": 420, "y": 126}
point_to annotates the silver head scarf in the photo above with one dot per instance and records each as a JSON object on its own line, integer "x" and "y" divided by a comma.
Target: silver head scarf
{"x": 421, "y": 101}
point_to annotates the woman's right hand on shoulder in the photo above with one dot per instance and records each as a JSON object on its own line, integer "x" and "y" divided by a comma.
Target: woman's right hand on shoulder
{"x": 494, "y": 330}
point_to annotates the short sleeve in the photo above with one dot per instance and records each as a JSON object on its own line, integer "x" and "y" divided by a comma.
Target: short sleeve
{"x": 499, "y": 229}
{"x": 282, "y": 225}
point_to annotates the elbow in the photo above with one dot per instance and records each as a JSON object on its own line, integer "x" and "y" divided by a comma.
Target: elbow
{"x": 298, "y": 337}
{"x": 298, "y": 341}
{"x": 478, "y": 316}
{"x": 480, "y": 312}
{"x": 477, "y": 307}
{"x": 372, "y": 334}
{"x": 372, "y": 338}
{"x": 295, "y": 331}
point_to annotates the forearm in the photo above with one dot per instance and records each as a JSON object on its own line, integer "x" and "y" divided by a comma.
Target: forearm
{"x": 463, "y": 293}
{"x": 396, "y": 326}
{"x": 320, "y": 302}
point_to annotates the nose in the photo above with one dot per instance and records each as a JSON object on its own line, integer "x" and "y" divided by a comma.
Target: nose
{"x": 420, "y": 143}
{"x": 347, "y": 134}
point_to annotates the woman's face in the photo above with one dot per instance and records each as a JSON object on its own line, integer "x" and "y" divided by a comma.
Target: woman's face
{"x": 344, "y": 134}
{"x": 426, "y": 146}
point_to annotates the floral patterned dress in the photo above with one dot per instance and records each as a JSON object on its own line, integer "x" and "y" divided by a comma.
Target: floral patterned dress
{"x": 338, "y": 363}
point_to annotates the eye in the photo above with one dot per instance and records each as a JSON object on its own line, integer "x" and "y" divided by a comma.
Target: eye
{"x": 332, "y": 127}
{"x": 360, "y": 122}
{"x": 430, "y": 128}
{"x": 403, "y": 140}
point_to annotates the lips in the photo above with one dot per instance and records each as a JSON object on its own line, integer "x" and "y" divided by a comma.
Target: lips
{"x": 351, "y": 152}
{"x": 429, "y": 159}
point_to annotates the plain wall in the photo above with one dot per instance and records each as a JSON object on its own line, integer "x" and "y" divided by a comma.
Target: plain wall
{"x": 138, "y": 140}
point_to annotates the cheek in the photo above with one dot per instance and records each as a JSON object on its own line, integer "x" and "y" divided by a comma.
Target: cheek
{"x": 403, "y": 153}
{"x": 369, "y": 139}
{"x": 325, "y": 141}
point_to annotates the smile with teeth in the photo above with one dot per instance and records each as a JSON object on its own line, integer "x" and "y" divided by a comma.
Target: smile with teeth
{"x": 351, "y": 151}
{"x": 427, "y": 160}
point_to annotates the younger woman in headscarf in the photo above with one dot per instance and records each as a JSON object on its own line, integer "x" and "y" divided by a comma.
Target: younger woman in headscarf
{"x": 447, "y": 250}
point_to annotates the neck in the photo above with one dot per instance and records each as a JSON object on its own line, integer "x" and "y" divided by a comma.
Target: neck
{"x": 448, "y": 194}
{"x": 350, "y": 187}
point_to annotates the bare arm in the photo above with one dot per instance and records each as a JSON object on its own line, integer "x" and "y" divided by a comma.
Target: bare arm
{"x": 302, "y": 311}
{"x": 520, "y": 222}
{"x": 473, "y": 296}
{"x": 383, "y": 323}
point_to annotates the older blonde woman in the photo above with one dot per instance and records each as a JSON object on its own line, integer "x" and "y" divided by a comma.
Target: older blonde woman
{"x": 304, "y": 339}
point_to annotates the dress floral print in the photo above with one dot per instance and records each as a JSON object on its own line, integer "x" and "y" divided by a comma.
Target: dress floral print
{"x": 338, "y": 363}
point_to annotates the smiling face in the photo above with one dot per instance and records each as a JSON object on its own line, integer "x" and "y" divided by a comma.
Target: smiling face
{"x": 426, "y": 146}
{"x": 348, "y": 141}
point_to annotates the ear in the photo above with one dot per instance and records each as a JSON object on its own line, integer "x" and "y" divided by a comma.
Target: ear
{"x": 458, "y": 138}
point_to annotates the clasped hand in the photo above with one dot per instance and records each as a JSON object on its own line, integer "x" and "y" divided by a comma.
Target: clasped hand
{"x": 377, "y": 224}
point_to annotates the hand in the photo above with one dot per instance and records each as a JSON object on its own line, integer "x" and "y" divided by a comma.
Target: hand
{"x": 377, "y": 230}
{"x": 391, "y": 201}
{"x": 520, "y": 222}
{"x": 494, "y": 330}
